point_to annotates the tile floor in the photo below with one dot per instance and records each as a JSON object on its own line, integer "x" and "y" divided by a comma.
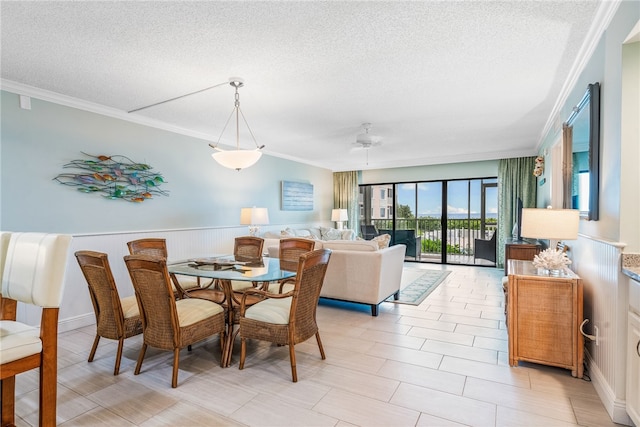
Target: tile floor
{"x": 443, "y": 363}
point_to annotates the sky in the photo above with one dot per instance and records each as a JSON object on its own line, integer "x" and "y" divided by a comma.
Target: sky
{"x": 462, "y": 196}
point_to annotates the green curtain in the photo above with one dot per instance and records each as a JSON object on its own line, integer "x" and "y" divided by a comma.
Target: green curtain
{"x": 345, "y": 196}
{"x": 515, "y": 180}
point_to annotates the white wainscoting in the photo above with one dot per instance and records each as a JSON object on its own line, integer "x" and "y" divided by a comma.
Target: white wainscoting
{"x": 606, "y": 297}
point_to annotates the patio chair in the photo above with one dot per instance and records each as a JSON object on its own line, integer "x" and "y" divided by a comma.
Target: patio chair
{"x": 33, "y": 268}
{"x": 289, "y": 318}
{"x": 485, "y": 249}
{"x": 116, "y": 318}
{"x": 369, "y": 231}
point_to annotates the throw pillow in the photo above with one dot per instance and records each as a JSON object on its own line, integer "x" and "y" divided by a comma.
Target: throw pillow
{"x": 315, "y": 232}
{"x": 347, "y": 234}
{"x": 301, "y": 232}
{"x": 288, "y": 232}
{"x": 382, "y": 240}
{"x": 330, "y": 233}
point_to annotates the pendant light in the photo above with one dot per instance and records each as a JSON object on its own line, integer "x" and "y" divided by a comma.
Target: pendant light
{"x": 237, "y": 159}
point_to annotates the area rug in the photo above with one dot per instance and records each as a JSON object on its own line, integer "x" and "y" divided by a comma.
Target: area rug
{"x": 416, "y": 291}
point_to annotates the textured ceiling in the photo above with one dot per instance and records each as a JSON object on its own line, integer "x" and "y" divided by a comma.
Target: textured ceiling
{"x": 440, "y": 81}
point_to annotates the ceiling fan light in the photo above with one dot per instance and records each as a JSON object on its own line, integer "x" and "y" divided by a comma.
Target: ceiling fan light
{"x": 237, "y": 159}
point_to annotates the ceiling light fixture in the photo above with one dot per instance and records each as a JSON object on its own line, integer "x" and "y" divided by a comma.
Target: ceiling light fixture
{"x": 237, "y": 159}
{"x": 233, "y": 159}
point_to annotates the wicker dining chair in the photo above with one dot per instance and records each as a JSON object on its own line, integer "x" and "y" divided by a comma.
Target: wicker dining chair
{"x": 289, "y": 318}
{"x": 247, "y": 249}
{"x": 32, "y": 267}
{"x": 167, "y": 323}
{"x": 116, "y": 318}
{"x": 157, "y": 247}
{"x": 289, "y": 252}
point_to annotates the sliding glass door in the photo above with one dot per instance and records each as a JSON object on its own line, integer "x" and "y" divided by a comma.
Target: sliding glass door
{"x": 438, "y": 221}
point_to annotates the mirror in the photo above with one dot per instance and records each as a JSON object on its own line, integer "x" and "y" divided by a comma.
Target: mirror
{"x": 584, "y": 162}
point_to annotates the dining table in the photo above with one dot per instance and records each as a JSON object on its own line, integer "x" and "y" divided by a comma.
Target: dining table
{"x": 218, "y": 272}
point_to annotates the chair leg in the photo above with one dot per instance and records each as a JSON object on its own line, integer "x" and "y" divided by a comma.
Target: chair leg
{"x": 94, "y": 348}
{"x": 176, "y": 362}
{"x": 143, "y": 349}
{"x": 223, "y": 337}
{"x": 243, "y": 352}
{"x": 320, "y": 345}
{"x": 292, "y": 357}
{"x": 48, "y": 388}
{"x": 116, "y": 369}
{"x": 8, "y": 386}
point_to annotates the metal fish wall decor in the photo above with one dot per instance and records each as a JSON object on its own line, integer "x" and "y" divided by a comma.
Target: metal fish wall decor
{"x": 114, "y": 177}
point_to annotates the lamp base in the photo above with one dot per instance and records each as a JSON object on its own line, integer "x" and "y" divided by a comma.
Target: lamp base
{"x": 253, "y": 230}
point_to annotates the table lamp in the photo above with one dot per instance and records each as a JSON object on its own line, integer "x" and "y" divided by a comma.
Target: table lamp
{"x": 339, "y": 216}
{"x": 550, "y": 224}
{"x": 254, "y": 217}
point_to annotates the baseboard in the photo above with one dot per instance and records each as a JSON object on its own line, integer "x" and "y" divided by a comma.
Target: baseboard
{"x": 616, "y": 408}
{"x": 72, "y": 323}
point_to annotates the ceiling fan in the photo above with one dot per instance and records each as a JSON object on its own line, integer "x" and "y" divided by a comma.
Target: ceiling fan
{"x": 367, "y": 140}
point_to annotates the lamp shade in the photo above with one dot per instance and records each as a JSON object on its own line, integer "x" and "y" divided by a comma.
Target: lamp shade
{"x": 237, "y": 159}
{"x": 556, "y": 224}
{"x": 339, "y": 215}
{"x": 254, "y": 216}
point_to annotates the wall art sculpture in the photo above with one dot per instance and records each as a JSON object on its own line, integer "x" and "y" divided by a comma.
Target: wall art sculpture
{"x": 114, "y": 177}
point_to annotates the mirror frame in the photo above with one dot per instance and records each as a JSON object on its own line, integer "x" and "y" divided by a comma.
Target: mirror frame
{"x": 591, "y": 99}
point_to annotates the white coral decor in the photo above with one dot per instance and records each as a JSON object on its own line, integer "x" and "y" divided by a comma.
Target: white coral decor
{"x": 551, "y": 259}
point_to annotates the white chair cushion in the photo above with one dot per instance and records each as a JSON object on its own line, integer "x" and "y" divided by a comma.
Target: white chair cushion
{"x": 273, "y": 310}
{"x": 129, "y": 307}
{"x": 18, "y": 340}
{"x": 35, "y": 267}
{"x": 193, "y": 310}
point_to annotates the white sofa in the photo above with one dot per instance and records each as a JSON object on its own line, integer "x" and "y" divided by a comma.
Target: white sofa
{"x": 359, "y": 271}
{"x": 312, "y": 232}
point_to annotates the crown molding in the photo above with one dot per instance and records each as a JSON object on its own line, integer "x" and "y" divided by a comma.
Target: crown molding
{"x": 69, "y": 101}
{"x": 604, "y": 15}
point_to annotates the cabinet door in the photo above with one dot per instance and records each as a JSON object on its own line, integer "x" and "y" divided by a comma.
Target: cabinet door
{"x": 545, "y": 319}
{"x": 633, "y": 368}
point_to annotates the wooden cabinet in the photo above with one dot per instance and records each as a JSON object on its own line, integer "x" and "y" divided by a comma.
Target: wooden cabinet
{"x": 519, "y": 249}
{"x": 544, "y": 318}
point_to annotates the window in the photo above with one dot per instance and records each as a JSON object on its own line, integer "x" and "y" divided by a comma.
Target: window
{"x": 383, "y": 212}
{"x": 383, "y": 193}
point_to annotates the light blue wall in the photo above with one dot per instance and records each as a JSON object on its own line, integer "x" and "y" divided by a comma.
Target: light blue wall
{"x": 36, "y": 144}
{"x": 605, "y": 66}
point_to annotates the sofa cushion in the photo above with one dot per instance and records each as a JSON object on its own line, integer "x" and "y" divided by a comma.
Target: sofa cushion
{"x": 272, "y": 235}
{"x": 382, "y": 240}
{"x": 351, "y": 245}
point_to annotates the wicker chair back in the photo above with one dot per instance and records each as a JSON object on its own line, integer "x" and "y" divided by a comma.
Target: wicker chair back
{"x": 111, "y": 321}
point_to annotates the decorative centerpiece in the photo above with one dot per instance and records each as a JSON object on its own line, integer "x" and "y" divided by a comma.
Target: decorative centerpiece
{"x": 551, "y": 260}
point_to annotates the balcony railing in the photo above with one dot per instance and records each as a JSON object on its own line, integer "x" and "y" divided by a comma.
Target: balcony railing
{"x": 461, "y": 233}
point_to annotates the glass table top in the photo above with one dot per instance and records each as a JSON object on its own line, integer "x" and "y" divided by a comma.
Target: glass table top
{"x": 225, "y": 267}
